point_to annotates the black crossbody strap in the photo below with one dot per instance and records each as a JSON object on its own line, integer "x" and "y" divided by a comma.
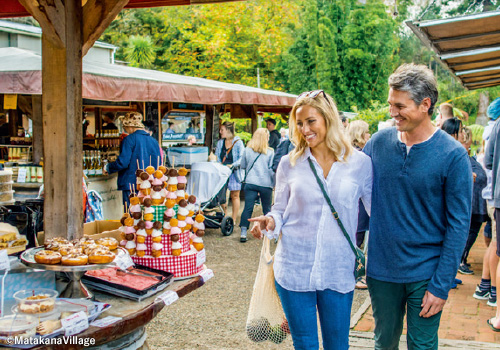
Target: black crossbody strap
{"x": 251, "y": 166}
{"x": 334, "y": 212}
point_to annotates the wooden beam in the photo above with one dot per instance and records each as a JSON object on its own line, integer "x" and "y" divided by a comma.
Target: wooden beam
{"x": 36, "y": 117}
{"x": 50, "y": 16}
{"x": 97, "y": 16}
{"x": 62, "y": 127}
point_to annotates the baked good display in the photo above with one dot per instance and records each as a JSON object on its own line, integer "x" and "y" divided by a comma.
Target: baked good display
{"x": 170, "y": 243}
{"x": 35, "y": 301}
{"x": 20, "y": 326}
{"x": 48, "y": 257}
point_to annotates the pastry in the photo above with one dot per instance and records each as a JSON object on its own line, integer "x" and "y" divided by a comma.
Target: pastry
{"x": 140, "y": 250}
{"x": 149, "y": 227}
{"x": 176, "y": 248}
{"x": 75, "y": 259}
{"x": 130, "y": 246}
{"x": 101, "y": 255}
{"x": 141, "y": 236}
{"x": 48, "y": 257}
{"x": 166, "y": 228}
{"x": 158, "y": 174}
{"x": 148, "y": 217}
{"x": 156, "y": 236}
{"x": 198, "y": 243}
{"x": 156, "y": 249}
{"x": 109, "y": 242}
{"x": 65, "y": 249}
{"x": 168, "y": 214}
{"x": 182, "y": 213}
{"x": 37, "y": 304}
{"x": 150, "y": 170}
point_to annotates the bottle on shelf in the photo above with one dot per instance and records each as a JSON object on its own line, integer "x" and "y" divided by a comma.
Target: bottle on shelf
{"x": 98, "y": 170}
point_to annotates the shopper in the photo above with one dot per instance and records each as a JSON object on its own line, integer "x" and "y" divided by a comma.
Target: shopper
{"x": 137, "y": 148}
{"x": 492, "y": 161}
{"x": 257, "y": 164}
{"x": 359, "y": 134}
{"x": 274, "y": 135}
{"x": 313, "y": 263}
{"x": 421, "y": 209}
{"x": 229, "y": 151}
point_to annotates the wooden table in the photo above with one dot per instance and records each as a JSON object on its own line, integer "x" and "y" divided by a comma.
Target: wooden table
{"x": 135, "y": 316}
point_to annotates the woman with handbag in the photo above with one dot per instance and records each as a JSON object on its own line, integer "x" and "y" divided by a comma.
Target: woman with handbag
{"x": 229, "y": 151}
{"x": 258, "y": 182}
{"x": 318, "y": 186}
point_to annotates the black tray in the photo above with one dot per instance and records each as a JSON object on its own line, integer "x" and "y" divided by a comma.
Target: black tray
{"x": 168, "y": 277}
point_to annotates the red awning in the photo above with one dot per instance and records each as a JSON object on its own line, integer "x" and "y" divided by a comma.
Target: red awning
{"x": 12, "y": 8}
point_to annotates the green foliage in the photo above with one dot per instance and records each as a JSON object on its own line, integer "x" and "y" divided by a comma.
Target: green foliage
{"x": 376, "y": 113}
{"x": 140, "y": 51}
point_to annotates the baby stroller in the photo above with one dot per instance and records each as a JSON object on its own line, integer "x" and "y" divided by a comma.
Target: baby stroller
{"x": 208, "y": 182}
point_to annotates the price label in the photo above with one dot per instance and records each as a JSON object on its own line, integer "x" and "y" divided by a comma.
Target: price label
{"x": 124, "y": 261}
{"x": 201, "y": 257}
{"x": 106, "y": 321}
{"x": 75, "y": 323}
{"x": 21, "y": 175}
{"x": 168, "y": 297}
{"x": 206, "y": 274}
{"x": 4, "y": 260}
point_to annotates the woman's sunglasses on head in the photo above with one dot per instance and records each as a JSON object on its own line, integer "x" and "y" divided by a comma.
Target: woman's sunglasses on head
{"x": 313, "y": 94}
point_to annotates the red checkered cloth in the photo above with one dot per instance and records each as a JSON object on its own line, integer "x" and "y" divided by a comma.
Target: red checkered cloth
{"x": 167, "y": 243}
{"x": 180, "y": 266}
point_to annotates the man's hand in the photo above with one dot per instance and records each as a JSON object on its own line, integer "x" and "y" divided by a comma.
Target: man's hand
{"x": 431, "y": 305}
{"x": 262, "y": 223}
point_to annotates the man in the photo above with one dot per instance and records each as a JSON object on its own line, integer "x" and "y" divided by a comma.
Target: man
{"x": 492, "y": 161}
{"x": 445, "y": 113}
{"x": 274, "y": 135}
{"x": 421, "y": 208}
{"x": 137, "y": 147}
{"x": 109, "y": 119}
{"x": 170, "y": 129}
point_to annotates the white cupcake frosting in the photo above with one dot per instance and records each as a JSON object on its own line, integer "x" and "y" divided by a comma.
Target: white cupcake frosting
{"x": 141, "y": 232}
{"x": 130, "y": 245}
{"x": 156, "y": 233}
{"x": 172, "y": 181}
{"x": 149, "y": 210}
{"x": 176, "y": 245}
{"x": 157, "y": 246}
{"x": 183, "y": 211}
{"x": 141, "y": 246}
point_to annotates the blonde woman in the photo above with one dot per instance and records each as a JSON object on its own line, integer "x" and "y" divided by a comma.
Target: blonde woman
{"x": 313, "y": 263}
{"x": 258, "y": 181}
{"x": 359, "y": 134}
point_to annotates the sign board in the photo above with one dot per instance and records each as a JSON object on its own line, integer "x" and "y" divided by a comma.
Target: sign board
{"x": 10, "y": 101}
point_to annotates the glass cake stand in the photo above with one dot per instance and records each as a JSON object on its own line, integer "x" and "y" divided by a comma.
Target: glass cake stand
{"x": 75, "y": 288}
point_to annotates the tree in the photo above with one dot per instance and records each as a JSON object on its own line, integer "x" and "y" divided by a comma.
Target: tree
{"x": 140, "y": 51}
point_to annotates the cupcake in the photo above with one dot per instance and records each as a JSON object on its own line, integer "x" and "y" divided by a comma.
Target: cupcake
{"x": 198, "y": 243}
{"x": 156, "y": 249}
{"x": 141, "y": 250}
{"x": 176, "y": 248}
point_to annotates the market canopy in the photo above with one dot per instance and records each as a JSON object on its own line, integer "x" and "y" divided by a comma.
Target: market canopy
{"x": 13, "y": 8}
{"x": 21, "y": 73}
{"x": 469, "y": 46}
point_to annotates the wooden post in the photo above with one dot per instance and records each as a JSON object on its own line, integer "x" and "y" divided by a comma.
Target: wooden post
{"x": 36, "y": 117}
{"x": 62, "y": 127}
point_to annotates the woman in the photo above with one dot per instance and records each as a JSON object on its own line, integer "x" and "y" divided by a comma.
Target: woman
{"x": 229, "y": 151}
{"x": 479, "y": 208}
{"x": 358, "y": 132}
{"x": 314, "y": 263}
{"x": 257, "y": 161}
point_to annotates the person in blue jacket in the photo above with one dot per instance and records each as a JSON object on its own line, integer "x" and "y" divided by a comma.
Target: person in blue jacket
{"x": 420, "y": 214}
{"x": 138, "y": 146}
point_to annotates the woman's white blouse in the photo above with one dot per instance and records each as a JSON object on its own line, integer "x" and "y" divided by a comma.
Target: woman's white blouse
{"x": 313, "y": 253}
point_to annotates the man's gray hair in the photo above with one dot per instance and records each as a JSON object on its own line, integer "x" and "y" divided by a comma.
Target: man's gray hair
{"x": 418, "y": 81}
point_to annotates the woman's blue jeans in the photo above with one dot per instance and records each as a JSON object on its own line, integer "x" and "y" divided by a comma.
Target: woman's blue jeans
{"x": 252, "y": 192}
{"x": 334, "y": 311}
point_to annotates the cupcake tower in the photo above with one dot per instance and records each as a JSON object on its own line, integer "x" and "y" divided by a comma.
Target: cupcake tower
{"x": 162, "y": 190}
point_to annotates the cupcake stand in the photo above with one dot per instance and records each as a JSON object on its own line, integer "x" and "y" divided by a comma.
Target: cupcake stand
{"x": 75, "y": 288}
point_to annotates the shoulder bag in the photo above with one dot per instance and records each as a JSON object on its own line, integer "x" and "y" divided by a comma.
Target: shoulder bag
{"x": 359, "y": 267}
{"x": 243, "y": 182}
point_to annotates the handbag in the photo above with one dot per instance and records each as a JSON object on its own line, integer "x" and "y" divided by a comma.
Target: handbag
{"x": 359, "y": 267}
{"x": 247, "y": 171}
{"x": 266, "y": 319}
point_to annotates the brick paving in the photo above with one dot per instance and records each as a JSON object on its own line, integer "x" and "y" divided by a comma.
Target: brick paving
{"x": 464, "y": 318}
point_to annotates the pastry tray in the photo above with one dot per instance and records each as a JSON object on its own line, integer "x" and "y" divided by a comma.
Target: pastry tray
{"x": 28, "y": 258}
{"x": 126, "y": 291}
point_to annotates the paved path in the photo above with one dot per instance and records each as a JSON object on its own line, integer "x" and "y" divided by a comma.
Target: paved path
{"x": 464, "y": 318}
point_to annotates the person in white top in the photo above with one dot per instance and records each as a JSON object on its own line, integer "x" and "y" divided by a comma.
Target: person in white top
{"x": 314, "y": 263}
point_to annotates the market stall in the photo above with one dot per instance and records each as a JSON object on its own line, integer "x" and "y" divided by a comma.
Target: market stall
{"x": 70, "y": 28}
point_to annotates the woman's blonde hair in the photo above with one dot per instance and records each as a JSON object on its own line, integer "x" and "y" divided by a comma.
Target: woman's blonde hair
{"x": 467, "y": 134}
{"x": 356, "y": 132}
{"x": 336, "y": 141}
{"x": 260, "y": 141}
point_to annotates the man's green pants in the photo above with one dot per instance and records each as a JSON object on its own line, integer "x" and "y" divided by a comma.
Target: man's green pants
{"x": 390, "y": 301}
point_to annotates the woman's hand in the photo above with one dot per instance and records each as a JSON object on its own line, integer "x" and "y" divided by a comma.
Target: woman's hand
{"x": 262, "y": 223}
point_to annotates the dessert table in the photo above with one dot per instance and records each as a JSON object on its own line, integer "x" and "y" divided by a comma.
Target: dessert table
{"x": 128, "y": 332}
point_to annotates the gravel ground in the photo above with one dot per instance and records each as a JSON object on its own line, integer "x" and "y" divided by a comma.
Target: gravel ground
{"x": 214, "y": 316}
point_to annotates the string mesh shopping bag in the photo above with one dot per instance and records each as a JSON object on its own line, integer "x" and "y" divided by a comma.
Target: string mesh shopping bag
{"x": 266, "y": 319}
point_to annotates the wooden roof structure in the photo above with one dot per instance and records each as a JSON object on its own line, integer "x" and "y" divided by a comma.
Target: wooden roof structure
{"x": 468, "y": 46}
{"x": 69, "y": 29}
